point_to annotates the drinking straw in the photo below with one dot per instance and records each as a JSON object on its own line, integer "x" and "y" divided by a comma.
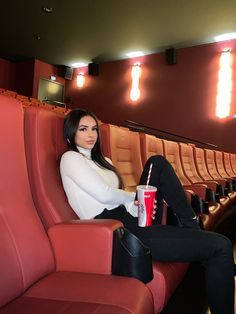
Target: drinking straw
{"x": 149, "y": 174}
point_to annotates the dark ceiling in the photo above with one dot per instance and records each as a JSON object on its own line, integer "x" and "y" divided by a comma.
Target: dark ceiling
{"x": 104, "y": 30}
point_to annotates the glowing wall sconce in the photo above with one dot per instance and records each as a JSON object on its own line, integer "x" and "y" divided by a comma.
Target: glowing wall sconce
{"x": 135, "y": 74}
{"x": 224, "y": 88}
{"x": 80, "y": 80}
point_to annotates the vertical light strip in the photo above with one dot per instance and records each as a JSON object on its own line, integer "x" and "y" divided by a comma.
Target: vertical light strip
{"x": 135, "y": 74}
{"x": 224, "y": 88}
{"x": 80, "y": 80}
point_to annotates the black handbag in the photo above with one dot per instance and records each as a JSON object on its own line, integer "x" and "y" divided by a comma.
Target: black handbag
{"x": 130, "y": 256}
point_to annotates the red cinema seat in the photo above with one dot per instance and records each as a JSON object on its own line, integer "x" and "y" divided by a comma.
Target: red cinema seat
{"x": 60, "y": 109}
{"x": 232, "y": 158}
{"x": 64, "y": 270}
{"x": 25, "y": 103}
{"x": 220, "y": 166}
{"x": 22, "y": 97}
{"x": 228, "y": 168}
{"x": 212, "y": 169}
{"x": 124, "y": 151}
{"x": 201, "y": 167}
{"x": 35, "y": 100}
{"x": 188, "y": 164}
{"x": 123, "y": 147}
{"x": 47, "y": 106}
{"x": 227, "y": 164}
{"x": 171, "y": 151}
{"x": 9, "y": 93}
{"x": 190, "y": 171}
{"x": 44, "y": 147}
{"x": 150, "y": 145}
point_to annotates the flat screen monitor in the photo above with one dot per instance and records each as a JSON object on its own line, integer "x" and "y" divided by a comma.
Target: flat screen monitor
{"x": 50, "y": 91}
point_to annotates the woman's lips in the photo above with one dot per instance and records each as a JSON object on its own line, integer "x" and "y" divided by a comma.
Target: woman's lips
{"x": 90, "y": 142}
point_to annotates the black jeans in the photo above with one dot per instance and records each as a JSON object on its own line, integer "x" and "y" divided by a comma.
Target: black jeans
{"x": 186, "y": 244}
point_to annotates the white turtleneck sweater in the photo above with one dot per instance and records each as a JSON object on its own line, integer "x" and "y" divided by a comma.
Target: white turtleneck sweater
{"x": 89, "y": 188}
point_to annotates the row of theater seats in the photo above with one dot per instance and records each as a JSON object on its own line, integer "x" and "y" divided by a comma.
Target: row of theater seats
{"x": 207, "y": 176}
{"x": 82, "y": 262}
{"x": 30, "y": 101}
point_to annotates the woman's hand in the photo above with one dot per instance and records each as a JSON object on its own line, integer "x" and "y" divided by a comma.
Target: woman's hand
{"x": 154, "y": 208}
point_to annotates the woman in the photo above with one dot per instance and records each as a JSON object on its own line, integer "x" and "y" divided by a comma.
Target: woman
{"x": 93, "y": 189}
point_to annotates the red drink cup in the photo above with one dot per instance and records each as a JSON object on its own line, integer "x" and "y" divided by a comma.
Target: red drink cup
{"x": 146, "y": 199}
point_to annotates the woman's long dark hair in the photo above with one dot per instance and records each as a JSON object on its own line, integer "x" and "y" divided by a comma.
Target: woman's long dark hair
{"x": 71, "y": 124}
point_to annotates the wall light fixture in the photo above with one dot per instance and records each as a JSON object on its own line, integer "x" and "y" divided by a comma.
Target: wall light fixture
{"x": 135, "y": 74}
{"x": 224, "y": 88}
{"x": 80, "y": 80}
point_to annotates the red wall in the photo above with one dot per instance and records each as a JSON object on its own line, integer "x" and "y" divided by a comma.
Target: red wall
{"x": 7, "y": 74}
{"x": 177, "y": 98}
{"x": 24, "y": 77}
{"x": 45, "y": 70}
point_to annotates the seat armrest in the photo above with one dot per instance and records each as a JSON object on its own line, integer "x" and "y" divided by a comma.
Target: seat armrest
{"x": 83, "y": 245}
{"x": 221, "y": 181}
{"x": 229, "y": 185}
{"x": 198, "y": 204}
{"x": 199, "y": 189}
{"x": 211, "y": 184}
{"x": 188, "y": 194}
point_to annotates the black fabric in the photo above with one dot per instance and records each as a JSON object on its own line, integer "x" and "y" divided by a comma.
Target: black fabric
{"x": 186, "y": 244}
{"x": 130, "y": 256}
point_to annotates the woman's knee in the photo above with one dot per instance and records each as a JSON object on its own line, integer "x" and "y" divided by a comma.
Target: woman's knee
{"x": 222, "y": 244}
{"x": 158, "y": 159}
{"x": 160, "y": 163}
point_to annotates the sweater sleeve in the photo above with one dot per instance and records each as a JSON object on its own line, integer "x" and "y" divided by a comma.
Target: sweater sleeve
{"x": 75, "y": 167}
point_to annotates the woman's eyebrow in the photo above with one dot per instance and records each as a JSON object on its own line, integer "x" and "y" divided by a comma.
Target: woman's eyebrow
{"x": 87, "y": 126}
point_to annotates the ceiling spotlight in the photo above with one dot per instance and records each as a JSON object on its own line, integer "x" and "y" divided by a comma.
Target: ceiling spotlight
{"x": 134, "y": 54}
{"x": 47, "y": 9}
{"x": 79, "y": 65}
{"x": 227, "y": 36}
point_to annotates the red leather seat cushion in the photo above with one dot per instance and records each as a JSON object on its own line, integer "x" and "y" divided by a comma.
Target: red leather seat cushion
{"x": 122, "y": 292}
{"x": 34, "y": 305}
{"x": 167, "y": 277}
